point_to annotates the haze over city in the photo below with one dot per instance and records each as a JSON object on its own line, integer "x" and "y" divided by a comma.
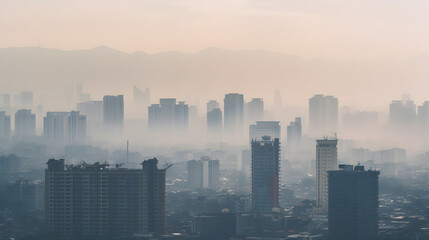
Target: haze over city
{"x": 198, "y": 119}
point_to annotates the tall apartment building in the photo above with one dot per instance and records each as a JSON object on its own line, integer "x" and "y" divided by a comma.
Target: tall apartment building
{"x": 168, "y": 115}
{"x": 113, "y": 112}
{"x": 264, "y": 128}
{"x": 4, "y": 126}
{"x": 294, "y": 135}
{"x": 203, "y": 173}
{"x": 255, "y": 110}
{"x": 402, "y": 112}
{"x": 25, "y": 123}
{"x": 93, "y": 110}
{"x": 233, "y": 114}
{"x": 265, "y": 174}
{"x": 323, "y": 112}
{"x": 64, "y": 128}
{"x": 88, "y": 201}
{"x": 326, "y": 160}
{"x": 353, "y": 203}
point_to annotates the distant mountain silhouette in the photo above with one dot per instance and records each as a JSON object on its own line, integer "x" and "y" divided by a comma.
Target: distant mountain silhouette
{"x": 209, "y": 72}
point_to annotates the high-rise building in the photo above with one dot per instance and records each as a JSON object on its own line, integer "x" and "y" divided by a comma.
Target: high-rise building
{"x": 214, "y": 122}
{"x": 4, "y": 100}
{"x": 95, "y": 201}
{"x": 323, "y": 115}
{"x": 113, "y": 112}
{"x": 203, "y": 173}
{"x": 64, "y": 128}
{"x": 423, "y": 114}
{"x": 168, "y": 116}
{"x": 4, "y": 126}
{"x": 294, "y": 135}
{"x": 326, "y": 160}
{"x": 212, "y": 104}
{"x": 26, "y": 99}
{"x": 265, "y": 174}
{"x": 255, "y": 110}
{"x": 264, "y": 128}
{"x": 233, "y": 114}
{"x": 25, "y": 123}
{"x": 402, "y": 112}
{"x": 353, "y": 203}
{"x": 93, "y": 110}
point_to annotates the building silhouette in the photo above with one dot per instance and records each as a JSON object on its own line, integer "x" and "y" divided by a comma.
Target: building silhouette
{"x": 255, "y": 110}
{"x": 203, "y": 173}
{"x": 94, "y": 201}
{"x": 113, "y": 112}
{"x": 4, "y": 126}
{"x": 323, "y": 115}
{"x": 294, "y": 135}
{"x": 264, "y": 128}
{"x": 64, "y": 128}
{"x": 93, "y": 110}
{"x": 233, "y": 114}
{"x": 265, "y": 174}
{"x": 326, "y": 160}
{"x": 168, "y": 116}
{"x": 25, "y": 123}
{"x": 353, "y": 203}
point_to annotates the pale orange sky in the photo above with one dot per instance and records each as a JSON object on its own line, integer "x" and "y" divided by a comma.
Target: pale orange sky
{"x": 333, "y": 29}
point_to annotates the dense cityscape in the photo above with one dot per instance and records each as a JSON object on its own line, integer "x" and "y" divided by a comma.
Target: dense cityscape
{"x": 246, "y": 181}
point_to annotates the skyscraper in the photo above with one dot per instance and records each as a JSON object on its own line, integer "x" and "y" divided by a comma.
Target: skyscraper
{"x": 353, "y": 203}
{"x": 168, "y": 116}
{"x": 4, "y": 126}
{"x": 141, "y": 100}
{"x": 294, "y": 134}
{"x": 95, "y": 201}
{"x": 264, "y": 128}
{"x": 93, "y": 110}
{"x": 25, "y": 123}
{"x": 212, "y": 104}
{"x": 402, "y": 112}
{"x": 255, "y": 110}
{"x": 323, "y": 115}
{"x": 113, "y": 112}
{"x": 214, "y": 122}
{"x": 64, "y": 128}
{"x": 233, "y": 114}
{"x": 203, "y": 173}
{"x": 326, "y": 160}
{"x": 265, "y": 174}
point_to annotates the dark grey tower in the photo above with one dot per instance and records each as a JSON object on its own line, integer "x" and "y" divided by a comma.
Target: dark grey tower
{"x": 265, "y": 174}
{"x": 353, "y": 203}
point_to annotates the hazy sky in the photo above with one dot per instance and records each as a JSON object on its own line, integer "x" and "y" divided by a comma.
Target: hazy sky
{"x": 333, "y": 29}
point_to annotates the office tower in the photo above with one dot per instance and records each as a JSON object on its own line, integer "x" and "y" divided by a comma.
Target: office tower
{"x": 394, "y": 155}
{"x": 326, "y": 160}
{"x": 294, "y": 135}
{"x": 212, "y": 104}
{"x": 361, "y": 155}
{"x": 25, "y": 123}
{"x": 423, "y": 114}
{"x": 233, "y": 114}
{"x": 93, "y": 110}
{"x": 353, "y": 203}
{"x": 402, "y": 112}
{"x": 97, "y": 201}
{"x": 323, "y": 115}
{"x": 255, "y": 110}
{"x": 265, "y": 174}
{"x": 203, "y": 173}
{"x": 264, "y": 128}
{"x": 64, "y": 128}
{"x": 214, "y": 122}
{"x": 168, "y": 116}
{"x": 181, "y": 114}
{"x": 113, "y": 112}
{"x": 4, "y": 126}
{"x": 4, "y": 100}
